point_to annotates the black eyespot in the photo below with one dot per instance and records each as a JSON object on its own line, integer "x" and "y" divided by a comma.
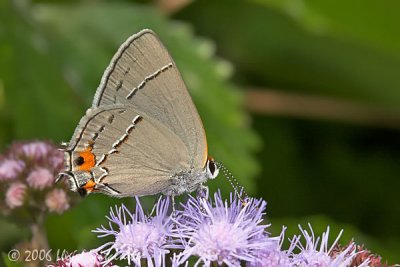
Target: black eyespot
{"x": 212, "y": 167}
{"x": 82, "y": 191}
{"x": 79, "y": 161}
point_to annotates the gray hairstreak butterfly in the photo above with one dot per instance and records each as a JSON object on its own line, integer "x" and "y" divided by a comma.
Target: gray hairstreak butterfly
{"x": 142, "y": 135}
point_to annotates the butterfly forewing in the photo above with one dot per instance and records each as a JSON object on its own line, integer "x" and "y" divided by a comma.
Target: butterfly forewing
{"x": 142, "y": 75}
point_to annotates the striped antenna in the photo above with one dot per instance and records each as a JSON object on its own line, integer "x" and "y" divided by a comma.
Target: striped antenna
{"x": 234, "y": 183}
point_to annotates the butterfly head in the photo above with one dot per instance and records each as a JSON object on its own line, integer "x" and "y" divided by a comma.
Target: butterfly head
{"x": 211, "y": 168}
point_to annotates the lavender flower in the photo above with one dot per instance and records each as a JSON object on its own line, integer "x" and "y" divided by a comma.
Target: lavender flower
{"x": 36, "y": 150}
{"x": 10, "y": 169}
{"x": 37, "y": 153}
{"x": 316, "y": 251}
{"x": 222, "y": 232}
{"x": 138, "y": 236}
{"x": 217, "y": 232}
{"x": 273, "y": 255}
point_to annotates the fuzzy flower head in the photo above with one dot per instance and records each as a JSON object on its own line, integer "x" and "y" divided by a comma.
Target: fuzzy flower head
{"x": 138, "y": 236}
{"x": 37, "y": 153}
{"x": 273, "y": 255}
{"x": 10, "y": 169}
{"x": 317, "y": 252}
{"x": 15, "y": 195}
{"x": 36, "y": 150}
{"x": 57, "y": 201}
{"x": 222, "y": 232}
{"x": 40, "y": 178}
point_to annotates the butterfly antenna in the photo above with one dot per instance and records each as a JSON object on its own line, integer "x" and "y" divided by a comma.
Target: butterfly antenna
{"x": 239, "y": 190}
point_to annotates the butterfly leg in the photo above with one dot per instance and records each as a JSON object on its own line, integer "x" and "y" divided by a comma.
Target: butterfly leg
{"x": 173, "y": 206}
{"x": 203, "y": 191}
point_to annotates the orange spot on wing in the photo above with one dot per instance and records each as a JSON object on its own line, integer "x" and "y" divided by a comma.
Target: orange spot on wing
{"x": 89, "y": 186}
{"x": 89, "y": 159}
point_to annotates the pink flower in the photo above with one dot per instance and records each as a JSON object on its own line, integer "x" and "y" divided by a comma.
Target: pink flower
{"x": 86, "y": 259}
{"x": 57, "y": 201}
{"x": 35, "y": 150}
{"x": 57, "y": 160}
{"x": 40, "y": 178}
{"x": 10, "y": 169}
{"x": 89, "y": 259}
{"x": 15, "y": 195}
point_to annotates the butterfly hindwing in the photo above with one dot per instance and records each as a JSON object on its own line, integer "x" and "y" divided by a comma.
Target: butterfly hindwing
{"x": 134, "y": 154}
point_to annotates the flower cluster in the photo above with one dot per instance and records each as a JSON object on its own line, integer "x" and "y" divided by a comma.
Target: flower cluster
{"x": 27, "y": 175}
{"x": 28, "y": 191}
{"x": 214, "y": 232}
{"x": 206, "y": 232}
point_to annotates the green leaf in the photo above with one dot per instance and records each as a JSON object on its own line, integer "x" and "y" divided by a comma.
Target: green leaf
{"x": 271, "y": 49}
{"x": 360, "y": 21}
{"x": 32, "y": 86}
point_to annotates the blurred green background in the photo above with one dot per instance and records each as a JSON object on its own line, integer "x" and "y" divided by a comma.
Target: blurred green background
{"x": 300, "y": 100}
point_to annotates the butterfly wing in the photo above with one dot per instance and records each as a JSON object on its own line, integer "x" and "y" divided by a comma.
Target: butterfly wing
{"x": 143, "y": 75}
{"x": 131, "y": 153}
